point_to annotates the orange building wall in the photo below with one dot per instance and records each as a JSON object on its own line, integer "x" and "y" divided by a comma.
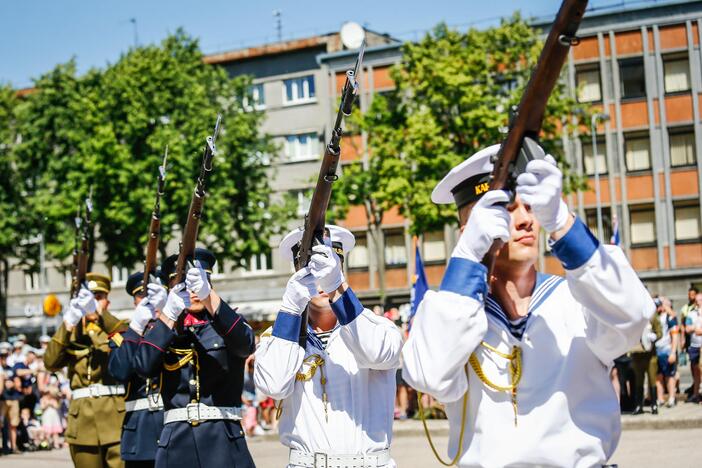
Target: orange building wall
{"x": 629, "y": 42}
{"x": 639, "y": 187}
{"x": 634, "y": 114}
{"x": 351, "y": 148}
{"x": 644, "y": 258}
{"x": 678, "y": 108}
{"x": 434, "y": 274}
{"x": 673, "y": 37}
{"x": 359, "y": 280}
{"x": 688, "y": 255}
{"x": 683, "y": 182}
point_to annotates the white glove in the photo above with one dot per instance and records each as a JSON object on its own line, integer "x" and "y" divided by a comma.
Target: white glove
{"x": 74, "y": 313}
{"x": 325, "y": 266}
{"x": 489, "y": 220}
{"x": 652, "y": 336}
{"x": 86, "y": 300}
{"x": 540, "y": 187}
{"x": 197, "y": 283}
{"x": 300, "y": 289}
{"x": 141, "y": 316}
{"x": 178, "y": 300}
{"x": 157, "y": 295}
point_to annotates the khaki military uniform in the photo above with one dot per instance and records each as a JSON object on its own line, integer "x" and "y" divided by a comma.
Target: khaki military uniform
{"x": 94, "y": 423}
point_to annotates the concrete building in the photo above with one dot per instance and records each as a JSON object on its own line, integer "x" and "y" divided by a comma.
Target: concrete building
{"x": 640, "y": 65}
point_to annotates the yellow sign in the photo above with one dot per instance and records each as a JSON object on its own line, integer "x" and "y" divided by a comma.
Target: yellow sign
{"x": 482, "y": 188}
{"x": 52, "y": 306}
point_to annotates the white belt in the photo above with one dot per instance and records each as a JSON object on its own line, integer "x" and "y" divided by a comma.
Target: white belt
{"x": 149, "y": 403}
{"x": 97, "y": 390}
{"x": 324, "y": 460}
{"x": 197, "y": 412}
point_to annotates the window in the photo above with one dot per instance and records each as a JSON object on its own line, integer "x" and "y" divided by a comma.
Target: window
{"x": 677, "y": 75}
{"x": 589, "y": 160}
{"x": 637, "y": 149}
{"x": 687, "y": 223}
{"x": 260, "y": 262}
{"x": 682, "y": 149}
{"x": 395, "y": 248}
{"x": 298, "y": 90}
{"x": 255, "y": 97}
{"x": 591, "y": 218}
{"x": 632, "y": 78}
{"x": 643, "y": 226}
{"x": 301, "y": 147}
{"x": 588, "y": 84}
{"x": 31, "y": 281}
{"x": 119, "y": 276}
{"x": 434, "y": 246}
{"x": 358, "y": 257}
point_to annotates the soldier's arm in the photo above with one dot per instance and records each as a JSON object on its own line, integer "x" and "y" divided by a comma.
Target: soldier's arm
{"x": 375, "y": 341}
{"x": 232, "y": 327}
{"x": 615, "y": 304}
{"x": 55, "y": 356}
{"x": 123, "y": 348}
{"x": 112, "y": 324}
{"x": 152, "y": 347}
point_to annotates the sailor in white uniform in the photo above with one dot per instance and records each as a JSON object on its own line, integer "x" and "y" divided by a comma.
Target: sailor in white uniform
{"x": 336, "y": 394}
{"x": 524, "y": 369}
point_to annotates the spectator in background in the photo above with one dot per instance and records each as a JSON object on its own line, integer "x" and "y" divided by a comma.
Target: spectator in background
{"x": 666, "y": 349}
{"x": 693, "y": 323}
{"x": 50, "y": 417}
{"x": 17, "y": 355}
{"x": 645, "y": 363}
{"x": 11, "y": 395}
{"x": 44, "y": 341}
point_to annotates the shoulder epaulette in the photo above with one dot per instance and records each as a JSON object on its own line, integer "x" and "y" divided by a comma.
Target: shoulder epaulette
{"x": 117, "y": 339}
{"x": 268, "y": 332}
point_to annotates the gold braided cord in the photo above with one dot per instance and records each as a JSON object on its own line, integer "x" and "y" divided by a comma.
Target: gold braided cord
{"x": 314, "y": 361}
{"x": 464, "y": 412}
{"x": 189, "y": 355}
{"x": 515, "y": 372}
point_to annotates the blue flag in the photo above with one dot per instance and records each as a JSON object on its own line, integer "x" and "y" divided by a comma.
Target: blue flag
{"x": 615, "y": 240}
{"x": 419, "y": 285}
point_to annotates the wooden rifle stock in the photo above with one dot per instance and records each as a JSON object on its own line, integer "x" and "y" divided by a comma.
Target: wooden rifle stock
{"x": 315, "y": 219}
{"x": 528, "y": 116}
{"x": 154, "y": 229}
{"x": 187, "y": 244}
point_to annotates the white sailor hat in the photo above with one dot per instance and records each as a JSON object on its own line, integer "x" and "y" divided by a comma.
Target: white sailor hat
{"x": 468, "y": 181}
{"x": 5, "y": 347}
{"x": 342, "y": 241}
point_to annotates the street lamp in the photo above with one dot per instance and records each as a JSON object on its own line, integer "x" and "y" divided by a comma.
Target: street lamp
{"x": 593, "y": 133}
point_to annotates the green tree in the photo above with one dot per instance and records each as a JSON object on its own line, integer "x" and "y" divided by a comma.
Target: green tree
{"x": 108, "y": 130}
{"x": 10, "y": 214}
{"x": 452, "y": 97}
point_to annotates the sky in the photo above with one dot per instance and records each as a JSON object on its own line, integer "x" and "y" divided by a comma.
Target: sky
{"x": 35, "y": 35}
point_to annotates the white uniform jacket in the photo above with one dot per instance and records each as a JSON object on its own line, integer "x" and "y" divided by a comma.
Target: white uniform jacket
{"x": 566, "y": 410}
{"x": 360, "y": 361}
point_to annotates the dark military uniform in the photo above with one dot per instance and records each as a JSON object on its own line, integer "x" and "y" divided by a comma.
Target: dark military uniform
{"x": 142, "y": 426}
{"x": 94, "y": 422}
{"x": 202, "y": 363}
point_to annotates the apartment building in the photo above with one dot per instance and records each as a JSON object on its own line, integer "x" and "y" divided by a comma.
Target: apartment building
{"x": 640, "y": 65}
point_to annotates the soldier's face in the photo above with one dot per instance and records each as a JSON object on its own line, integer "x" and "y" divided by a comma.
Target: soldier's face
{"x": 102, "y": 305}
{"x": 523, "y": 245}
{"x": 320, "y": 312}
{"x": 195, "y": 304}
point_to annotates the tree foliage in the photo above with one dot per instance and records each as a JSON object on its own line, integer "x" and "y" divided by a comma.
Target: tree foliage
{"x": 108, "y": 130}
{"x": 452, "y": 98}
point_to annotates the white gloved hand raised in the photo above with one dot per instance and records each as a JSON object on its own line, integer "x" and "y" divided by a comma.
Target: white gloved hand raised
{"x": 86, "y": 300}
{"x": 488, "y": 220}
{"x": 157, "y": 295}
{"x": 541, "y": 187}
{"x": 196, "y": 281}
{"x": 72, "y": 316}
{"x": 325, "y": 266}
{"x": 300, "y": 289}
{"x": 178, "y": 300}
{"x": 141, "y": 316}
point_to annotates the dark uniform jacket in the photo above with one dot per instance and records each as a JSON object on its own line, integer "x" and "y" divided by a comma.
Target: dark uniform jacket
{"x": 141, "y": 429}
{"x": 85, "y": 352}
{"x": 204, "y": 363}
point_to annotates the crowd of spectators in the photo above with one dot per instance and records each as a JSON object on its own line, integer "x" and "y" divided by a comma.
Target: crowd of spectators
{"x": 670, "y": 342}
{"x": 33, "y": 401}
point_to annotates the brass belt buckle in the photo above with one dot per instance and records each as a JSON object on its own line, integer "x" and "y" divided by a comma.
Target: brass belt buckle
{"x": 192, "y": 411}
{"x": 153, "y": 403}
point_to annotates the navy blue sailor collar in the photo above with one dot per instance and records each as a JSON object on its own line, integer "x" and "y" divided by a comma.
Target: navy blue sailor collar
{"x": 545, "y": 285}
{"x": 313, "y": 339}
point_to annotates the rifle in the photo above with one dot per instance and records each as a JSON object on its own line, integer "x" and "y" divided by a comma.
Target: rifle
{"x": 154, "y": 228}
{"x": 186, "y": 249}
{"x": 520, "y": 145}
{"x": 315, "y": 219}
{"x": 80, "y": 257}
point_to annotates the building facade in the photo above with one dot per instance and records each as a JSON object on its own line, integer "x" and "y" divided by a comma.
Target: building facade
{"x": 641, "y": 67}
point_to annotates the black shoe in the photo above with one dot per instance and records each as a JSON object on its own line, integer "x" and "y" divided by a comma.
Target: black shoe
{"x": 638, "y": 410}
{"x": 654, "y": 409}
